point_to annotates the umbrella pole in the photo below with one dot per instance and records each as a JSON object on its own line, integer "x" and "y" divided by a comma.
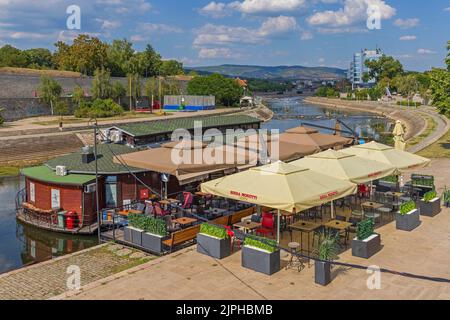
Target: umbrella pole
{"x": 332, "y": 209}
{"x": 278, "y": 227}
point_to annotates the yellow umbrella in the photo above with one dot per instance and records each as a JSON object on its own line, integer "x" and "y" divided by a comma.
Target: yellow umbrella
{"x": 401, "y": 160}
{"x": 280, "y": 186}
{"x": 346, "y": 166}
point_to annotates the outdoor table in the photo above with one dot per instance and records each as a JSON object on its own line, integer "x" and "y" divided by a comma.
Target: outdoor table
{"x": 125, "y": 213}
{"x": 248, "y": 226}
{"x": 184, "y": 221}
{"x": 338, "y": 225}
{"x": 304, "y": 226}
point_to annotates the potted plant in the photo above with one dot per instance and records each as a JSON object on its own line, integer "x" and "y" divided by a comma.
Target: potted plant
{"x": 408, "y": 217}
{"x": 327, "y": 252}
{"x": 213, "y": 241}
{"x": 430, "y": 204}
{"x": 261, "y": 255}
{"x": 367, "y": 242}
{"x": 133, "y": 232}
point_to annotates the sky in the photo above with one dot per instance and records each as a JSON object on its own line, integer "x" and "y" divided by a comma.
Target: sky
{"x": 254, "y": 32}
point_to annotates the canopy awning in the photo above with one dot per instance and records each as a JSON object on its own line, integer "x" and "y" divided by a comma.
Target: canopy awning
{"x": 401, "y": 160}
{"x": 280, "y": 186}
{"x": 346, "y": 166}
{"x": 312, "y": 137}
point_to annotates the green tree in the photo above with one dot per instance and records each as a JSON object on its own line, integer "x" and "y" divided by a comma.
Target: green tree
{"x": 171, "y": 68}
{"x": 39, "y": 58}
{"x": 61, "y": 108}
{"x": 447, "y": 60}
{"x": 152, "y": 62}
{"x": 12, "y": 57}
{"x": 78, "y": 95}
{"x": 101, "y": 84}
{"x": 226, "y": 91}
{"x": 440, "y": 90}
{"x": 49, "y": 91}
{"x": 385, "y": 67}
{"x": 408, "y": 86}
{"x": 118, "y": 91}
{"x": 119, "y": 54}
{"x": 133, "y": 88}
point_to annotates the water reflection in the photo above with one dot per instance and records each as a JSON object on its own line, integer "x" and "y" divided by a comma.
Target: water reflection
{"x": 21, "y": 245}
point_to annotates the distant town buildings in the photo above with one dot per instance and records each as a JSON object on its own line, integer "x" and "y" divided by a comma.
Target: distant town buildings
{"x": 358, "y": 67}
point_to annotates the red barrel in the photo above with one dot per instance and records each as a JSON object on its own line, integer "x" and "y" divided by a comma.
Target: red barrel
{"x": 71, "y": 217}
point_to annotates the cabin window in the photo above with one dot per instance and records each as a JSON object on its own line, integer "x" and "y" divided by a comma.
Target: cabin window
{"x": 56, "y": 199}
{"x": 32, "y": 192}
{"x": 111, "y": 191}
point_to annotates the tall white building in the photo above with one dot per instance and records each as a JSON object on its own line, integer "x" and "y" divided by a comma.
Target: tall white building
{"x": 358, "y": 67}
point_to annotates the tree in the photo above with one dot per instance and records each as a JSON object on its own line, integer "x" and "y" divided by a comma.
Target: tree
{"x": 171, "y": 68}
{"x": 61, "y": 108}
{"x": 385, "y": 67}
{"x": 101, "y": 84}
{"x": 12, "y": 57}
{"x": 78, "y": 95}
{"x": 1, "y": 118}
{"x": 39, "y": 58}
{"x": 133, "y": 88}
{"x": 85, "y": 55}
{"x": 447, "y": 60}
{"x": 440, "y": 90}
{"x": 49, "y": 91}
{"x": 408, "y": 86}
{"x": 226, "y": 91}
{"x": 118, "y": 91}
{"x": 119, "y": 53}
{"x": 152, "y": 62}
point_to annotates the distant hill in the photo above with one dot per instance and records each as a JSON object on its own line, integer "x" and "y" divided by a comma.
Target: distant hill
{"x": 272, "y": 73}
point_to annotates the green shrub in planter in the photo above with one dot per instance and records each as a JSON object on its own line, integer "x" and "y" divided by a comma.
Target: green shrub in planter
{"x": 214, "y": 231}
{"x": 390, "y": 179}
{"x": 427, "y": 197}
{"x": 261, "y": 243}
{"x": 148, "y": 224}
{"x": 407, "y": 207}
{"x": 365, "y": 229}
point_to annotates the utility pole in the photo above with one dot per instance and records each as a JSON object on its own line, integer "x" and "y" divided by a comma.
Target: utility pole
{"x": 97, "y": 202}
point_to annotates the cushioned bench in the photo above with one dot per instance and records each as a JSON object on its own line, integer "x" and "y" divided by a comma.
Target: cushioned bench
{"x": 180, "y": 237}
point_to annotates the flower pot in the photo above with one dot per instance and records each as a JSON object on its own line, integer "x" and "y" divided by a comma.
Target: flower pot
{"x": 213, "y": 247}
{"x": 133, "y": 235}
{"x": 409, "y": 221}
{"x": 322, "y": 272}
{"x": 366, "y": 248}
{"x": 152, "y": 242}
{"x": 430, "y": 209}
{"x": 260, "y": 260}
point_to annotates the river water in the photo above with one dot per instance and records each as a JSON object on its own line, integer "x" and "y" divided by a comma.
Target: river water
{"x": 22, "y": 245}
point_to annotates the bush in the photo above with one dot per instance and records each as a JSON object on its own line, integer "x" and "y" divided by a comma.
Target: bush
{"x": 98, "y": 109}
{"x": 261, "y": 243}
{"x": 214, "y": 231}
{"x": 1, "y": 118}
{"x": 407, "y": 207}
{"x": 148, "y": 224}
{"x": 365, "y": 229}
{"x": 430, "y": 195}
{"x": 406, "y": 103}
{"x": 390, "y": 179}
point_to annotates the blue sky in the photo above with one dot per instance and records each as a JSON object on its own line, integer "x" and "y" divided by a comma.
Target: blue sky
{"x": 266, "y": 32}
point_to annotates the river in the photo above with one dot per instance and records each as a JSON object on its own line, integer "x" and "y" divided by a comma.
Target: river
{"x": 22, "y": 245}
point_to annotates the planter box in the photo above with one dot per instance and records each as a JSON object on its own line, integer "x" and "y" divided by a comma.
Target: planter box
{"x": 133, "y": 235}
{"x": 152, "y": 242}
{"x": 260, "y": 260}
{"x": 213, "y": 247}
{"x": 430, "y": 209}
{"x": 322, "y": 272}
{"x": 409, "y": 221}
{"x": 366, "y": 248}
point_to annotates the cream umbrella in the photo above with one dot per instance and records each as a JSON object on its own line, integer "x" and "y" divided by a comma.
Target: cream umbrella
{"x": 345, "y": 166}
{"x": 280, "y": 186}
{"x": 399, "y": 134}
{"x": 401, "y": 160}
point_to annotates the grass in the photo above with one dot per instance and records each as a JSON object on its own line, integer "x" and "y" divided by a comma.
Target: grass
{"x": 439, "y": 149}
{"x": 9, "y": 171}
{"x": 27, "y": 71}
{"x": 431, "y": 126}
{"x": 73, "y": 120}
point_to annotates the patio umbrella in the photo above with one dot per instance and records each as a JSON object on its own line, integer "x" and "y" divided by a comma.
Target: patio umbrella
{"x": 280, "y": 186}
{"x": 312, "y": 137}
{"x": 401, "y": 160}
{"x": 399, "y": 134}
{"x": 346, "y": 166}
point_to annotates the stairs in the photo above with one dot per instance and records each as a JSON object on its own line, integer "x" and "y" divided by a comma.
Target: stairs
{"x": 26, "y": 150}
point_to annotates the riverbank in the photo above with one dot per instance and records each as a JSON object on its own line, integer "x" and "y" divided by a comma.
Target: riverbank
{"x": 416, "y": 121}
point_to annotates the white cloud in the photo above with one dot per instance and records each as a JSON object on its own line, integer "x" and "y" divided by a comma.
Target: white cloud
{"x": 447, "y": 9}
{"x": 215, "y": 53}
{"x": 108, "y": 24}
{"x": 425, "y": 51}
{"x": 281, "y": 24}
{"x": 216, "y": 10}
{"x": 408, "y": 38}
{"x": 267, "y": 6}
{"x": 407, "y": 23}
{"x": 353, "y": 11}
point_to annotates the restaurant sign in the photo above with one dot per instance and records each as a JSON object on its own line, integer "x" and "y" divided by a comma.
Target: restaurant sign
{"x": 242, "y": 195}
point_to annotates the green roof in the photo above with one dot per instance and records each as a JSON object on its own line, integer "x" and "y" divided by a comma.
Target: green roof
{"x": 45, "y": 174}
{"x": 169, "y": 125}
{"x": 105, "y": 161}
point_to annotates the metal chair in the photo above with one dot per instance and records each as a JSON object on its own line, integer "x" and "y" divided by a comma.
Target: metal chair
{"x": 294, "y": 261}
